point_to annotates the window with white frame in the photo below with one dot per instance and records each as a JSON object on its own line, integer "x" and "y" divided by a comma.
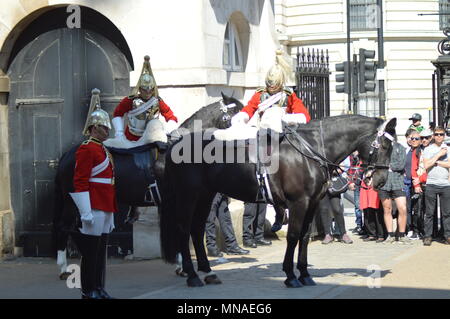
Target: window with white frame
{"x": 444, "y": 14}
{"x": 232, "y": 53}
{"x": 363, "y": 15}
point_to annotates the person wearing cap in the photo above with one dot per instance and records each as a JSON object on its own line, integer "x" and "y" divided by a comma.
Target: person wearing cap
{"x": 419, "y": 179}
{"x": 275, "y": 94}
{"x": 426, "y": 137}
{"x": 141, "y": 107}
{"x": 416, "y": 119}
{"x": 94, "y": 196}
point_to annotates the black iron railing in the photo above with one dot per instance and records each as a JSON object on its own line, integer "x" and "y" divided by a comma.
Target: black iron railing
{"x": 313, "y": 81}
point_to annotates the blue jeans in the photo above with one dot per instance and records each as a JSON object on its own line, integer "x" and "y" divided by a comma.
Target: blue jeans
{"x": 358, "y": 212}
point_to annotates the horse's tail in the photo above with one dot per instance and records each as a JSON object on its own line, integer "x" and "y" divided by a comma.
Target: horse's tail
{"x": 168, "y": 217}
{"x": 59, "y": 235}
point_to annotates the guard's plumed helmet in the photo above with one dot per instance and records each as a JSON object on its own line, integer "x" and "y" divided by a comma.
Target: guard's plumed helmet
{"x": 146, "y": 79}
{"x": 96, "y": 115}
{"x": 278, "y": 74}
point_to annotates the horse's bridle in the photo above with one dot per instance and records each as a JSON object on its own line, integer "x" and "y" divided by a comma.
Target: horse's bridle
{"x": 224, "y": 108}
{"x": 374, "y": 147}
{"x": 324, "y": 162}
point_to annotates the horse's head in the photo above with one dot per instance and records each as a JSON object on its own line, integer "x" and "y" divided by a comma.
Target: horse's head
{"x": 377, "y": 154}
{"x": 229, "y": 106}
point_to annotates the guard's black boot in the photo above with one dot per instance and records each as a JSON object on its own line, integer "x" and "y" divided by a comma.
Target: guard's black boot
{"x": 88, "y": 246}
{"x": 101, "y": 268}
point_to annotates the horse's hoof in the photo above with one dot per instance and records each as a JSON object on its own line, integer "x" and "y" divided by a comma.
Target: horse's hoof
{"x": 276, "y": 227}
{"x": 307, "y": 281}
{"x": 293, "y": 283}
{"x": 213, "y": 279}
{"x": 130, "y": 221}
{"x": 194, "y": 282}
{"x": 180, "y": 272}
{"x": 64, "y": 275}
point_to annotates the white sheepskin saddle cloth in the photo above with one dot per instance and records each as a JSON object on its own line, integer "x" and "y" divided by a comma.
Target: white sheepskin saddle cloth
{"x": 272, "y": 118}
{"x": 154, "y": 132}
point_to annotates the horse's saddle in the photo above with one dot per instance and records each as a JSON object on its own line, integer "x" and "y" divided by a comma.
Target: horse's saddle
{"x": 144, "y": 158}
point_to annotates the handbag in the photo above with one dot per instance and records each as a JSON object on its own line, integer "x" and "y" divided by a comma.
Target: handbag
{"x": 339, "y": 185}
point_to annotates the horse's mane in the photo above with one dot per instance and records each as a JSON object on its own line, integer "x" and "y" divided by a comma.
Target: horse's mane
{"x": 198, "y": 112}
{"x": 335, "y": 121}
{"x": 205, "y": 109}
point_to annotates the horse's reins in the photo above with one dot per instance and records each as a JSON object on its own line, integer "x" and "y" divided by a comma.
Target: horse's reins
{"x": 314, "y": 155}
{"x": 323, "y": 161}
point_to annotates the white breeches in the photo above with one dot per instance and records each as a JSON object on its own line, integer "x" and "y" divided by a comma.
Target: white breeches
{"x": 103, "y": 224}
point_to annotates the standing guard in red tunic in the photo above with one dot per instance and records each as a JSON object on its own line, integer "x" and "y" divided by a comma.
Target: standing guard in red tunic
{"x": 95, "y": 198}
{"x": 141, "y": 107}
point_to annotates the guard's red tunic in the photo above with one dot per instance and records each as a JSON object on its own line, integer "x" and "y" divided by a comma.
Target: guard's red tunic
{"x": 294, "y": 105}
{"x": 126, "y": 105}
{"x": 90, "y": 154}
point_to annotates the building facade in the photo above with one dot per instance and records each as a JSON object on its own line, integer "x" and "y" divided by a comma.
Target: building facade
{"x": 410, "y": 43}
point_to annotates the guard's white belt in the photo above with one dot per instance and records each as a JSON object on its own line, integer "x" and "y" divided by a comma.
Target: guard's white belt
{"x": 101, "y": 180}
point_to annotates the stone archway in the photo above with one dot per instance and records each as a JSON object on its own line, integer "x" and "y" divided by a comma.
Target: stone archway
{"x": 51, "y": 76}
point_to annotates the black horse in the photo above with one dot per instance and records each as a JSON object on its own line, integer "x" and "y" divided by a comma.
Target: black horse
{"x": 132, "y": 173}
{"x": 299, "y": 183}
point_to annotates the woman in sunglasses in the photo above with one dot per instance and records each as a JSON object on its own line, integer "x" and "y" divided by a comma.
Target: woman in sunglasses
{"x": 437, "y": 165}
{"x": 412, "y": 193}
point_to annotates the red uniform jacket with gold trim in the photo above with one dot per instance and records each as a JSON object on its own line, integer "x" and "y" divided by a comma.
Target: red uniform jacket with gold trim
{"x": 294, "y": 105}
{"x": 126, "y": 105}
{"x": 90, "y": 154}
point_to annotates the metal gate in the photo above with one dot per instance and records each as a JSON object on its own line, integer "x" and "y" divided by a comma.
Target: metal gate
{"x": 313, "y": 81}
{"x": 51, "y": 81}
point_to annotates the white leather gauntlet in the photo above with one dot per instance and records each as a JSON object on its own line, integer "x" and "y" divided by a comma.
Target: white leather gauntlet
{"x": 170, "y": 126}
{"x": 83, "y": 202}
{"x": 118, "y": 126}
{"x": 297, "y": 118}
{"x": 240, "y": 119}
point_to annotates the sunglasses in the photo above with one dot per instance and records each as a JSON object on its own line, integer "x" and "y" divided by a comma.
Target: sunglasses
{"x": 439, "y": 134}
{"x": 425, "y": 137}
{"x": 415, "y": 138}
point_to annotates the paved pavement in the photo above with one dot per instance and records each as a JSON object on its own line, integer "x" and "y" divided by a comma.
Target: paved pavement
{"x": 341, "y": 271}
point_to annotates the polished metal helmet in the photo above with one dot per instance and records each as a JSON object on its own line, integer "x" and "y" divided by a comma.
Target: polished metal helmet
{"x": 96, "y": 115}
{"x": 147, "y": 82}
{"x": 146, "y": 79}
{"x": 279, "y": 73}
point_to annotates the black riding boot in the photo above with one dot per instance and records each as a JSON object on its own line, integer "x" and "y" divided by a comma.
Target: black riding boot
{"x": 101, "y": 268}
{"x": 88, "y": 246}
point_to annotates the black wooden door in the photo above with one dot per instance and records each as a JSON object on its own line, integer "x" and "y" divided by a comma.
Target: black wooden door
{"x": 51, "y": 82}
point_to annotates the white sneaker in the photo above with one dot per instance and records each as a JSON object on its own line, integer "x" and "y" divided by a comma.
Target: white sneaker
{"x": 410, "y": 233}
{"x": 389, "y": 240}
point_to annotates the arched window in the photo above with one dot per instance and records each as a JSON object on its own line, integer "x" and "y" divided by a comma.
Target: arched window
{"x": 232, "y": 53}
